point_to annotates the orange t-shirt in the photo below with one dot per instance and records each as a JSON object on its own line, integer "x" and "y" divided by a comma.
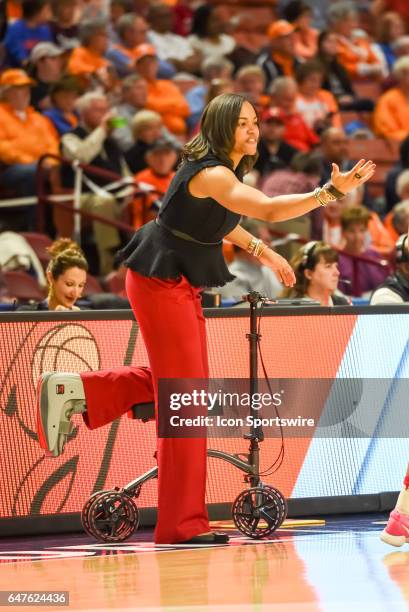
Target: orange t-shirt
{"x": 381, "y": 240}
{"x": 391, "y": 116}
{"x": 388, "y": 223}
{"x": 285, "y": 62}
{"x": 165, "y": 98}
{"x": 142, "y": 205}
{"x": 82, "y": 61}
{"x": 24, "y": 141}
{"x": 306, "y": 43}
{"x": 352, "y": 54}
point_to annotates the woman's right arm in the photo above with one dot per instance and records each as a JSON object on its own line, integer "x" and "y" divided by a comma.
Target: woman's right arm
{"x": 222, "y": 185}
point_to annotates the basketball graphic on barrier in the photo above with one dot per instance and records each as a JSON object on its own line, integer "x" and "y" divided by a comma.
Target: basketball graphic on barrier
{"x": 65, "y": 348}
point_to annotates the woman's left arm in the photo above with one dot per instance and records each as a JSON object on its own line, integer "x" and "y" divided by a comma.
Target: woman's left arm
{"x": 284, "y": 272}
{"x": 240, "y": 237}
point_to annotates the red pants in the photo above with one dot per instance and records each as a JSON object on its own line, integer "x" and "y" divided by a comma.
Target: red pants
{"x": 170, "y": 317}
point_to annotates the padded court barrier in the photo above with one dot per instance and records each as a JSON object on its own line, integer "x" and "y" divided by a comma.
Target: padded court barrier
{"x": 297, "y": 342}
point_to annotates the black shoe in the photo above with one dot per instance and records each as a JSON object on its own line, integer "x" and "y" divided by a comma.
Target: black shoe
{"x": 208, "y": 538}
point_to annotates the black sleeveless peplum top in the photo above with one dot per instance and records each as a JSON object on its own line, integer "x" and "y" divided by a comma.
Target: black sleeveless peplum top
{"x": 186, "y": 238}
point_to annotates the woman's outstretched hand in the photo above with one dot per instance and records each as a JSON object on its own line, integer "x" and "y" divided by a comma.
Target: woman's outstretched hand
{"x": 348, "y": 181}
{"x": 279, "y": 265}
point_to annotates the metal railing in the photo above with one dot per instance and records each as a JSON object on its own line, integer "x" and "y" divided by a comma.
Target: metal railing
{"x": 72, "y": 201}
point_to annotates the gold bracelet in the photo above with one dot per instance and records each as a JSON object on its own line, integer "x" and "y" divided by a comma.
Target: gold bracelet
{"x": 327, "y": 195}
{"x": 252, "y": 245}
{"x": 264, "y": 247}
{"x": 259, "y": 249}
{"x": 256, "y": 247}
{"x": 334, "y": 191}
{"x": 318, "y": 197}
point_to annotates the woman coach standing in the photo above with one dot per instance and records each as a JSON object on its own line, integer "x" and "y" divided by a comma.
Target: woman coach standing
{"x": 169, "y": 261}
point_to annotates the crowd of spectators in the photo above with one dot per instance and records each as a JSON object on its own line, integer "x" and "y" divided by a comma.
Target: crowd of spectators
{"x": 120, "y": 85}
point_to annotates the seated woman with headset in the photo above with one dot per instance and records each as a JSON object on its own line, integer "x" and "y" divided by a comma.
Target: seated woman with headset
{"x": 317, "y": 275}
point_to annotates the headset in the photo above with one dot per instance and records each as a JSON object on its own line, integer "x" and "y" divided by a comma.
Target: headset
{"x": 401, "y": 249}
{"x": 307, "y": 253}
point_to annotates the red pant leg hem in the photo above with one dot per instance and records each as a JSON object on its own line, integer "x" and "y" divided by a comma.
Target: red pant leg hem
{"x": 181, "y": 535}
